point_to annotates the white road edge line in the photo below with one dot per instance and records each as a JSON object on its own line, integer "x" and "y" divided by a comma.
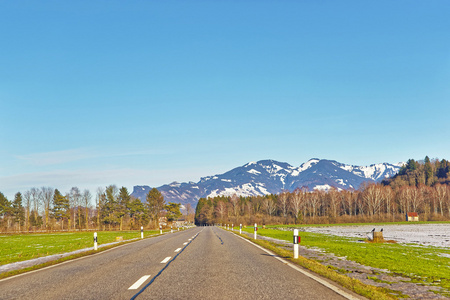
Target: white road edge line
{"x": 178, "y": 250}
{"x": 316, "y": 278}
{"x": 138, "y": 283}
{"x": 166, "y": 259}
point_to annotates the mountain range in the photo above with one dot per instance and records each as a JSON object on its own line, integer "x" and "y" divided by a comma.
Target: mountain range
{"x": 271, "y": 177}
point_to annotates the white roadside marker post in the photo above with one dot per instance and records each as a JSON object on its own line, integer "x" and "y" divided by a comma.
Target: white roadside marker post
{"x": 256, "y": 229}
{"x": 142, "y": 232}
{"x": 296, "y": 240}
{"x": 171, "y": 230}
{"x": 160, "y": 229}
{"x": 95, "y": 241}
{"x": 232, "y": 227}
{"x": 240, "y": 228}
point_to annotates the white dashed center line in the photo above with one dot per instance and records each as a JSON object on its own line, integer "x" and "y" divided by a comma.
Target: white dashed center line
{"x": 185, "y": 243}
{"x": 178, "y": 250}
{"x": 138, "y": 283}
{"x": 166, "y": 259}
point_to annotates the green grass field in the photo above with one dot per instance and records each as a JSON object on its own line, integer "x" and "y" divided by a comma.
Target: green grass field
{"x": 420, "y": 263}
{"x": 20, "y": 247}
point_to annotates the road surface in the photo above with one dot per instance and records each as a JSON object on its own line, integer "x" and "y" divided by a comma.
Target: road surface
{"x": 199, "y": 263}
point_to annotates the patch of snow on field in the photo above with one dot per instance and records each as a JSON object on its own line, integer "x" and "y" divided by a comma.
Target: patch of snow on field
{"x": 423, "y": 234}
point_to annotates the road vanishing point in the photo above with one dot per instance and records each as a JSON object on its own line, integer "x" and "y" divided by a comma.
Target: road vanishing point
{"x": 198, "y": 263}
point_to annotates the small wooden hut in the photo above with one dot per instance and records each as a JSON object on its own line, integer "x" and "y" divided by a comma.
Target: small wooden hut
{"x": 412, "y": 217}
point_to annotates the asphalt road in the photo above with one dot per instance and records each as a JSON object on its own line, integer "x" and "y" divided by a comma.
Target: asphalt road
{"x": 199, "y": 263}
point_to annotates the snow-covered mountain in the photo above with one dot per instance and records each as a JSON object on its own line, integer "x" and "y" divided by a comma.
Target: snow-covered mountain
{"x": 271, "y": 177}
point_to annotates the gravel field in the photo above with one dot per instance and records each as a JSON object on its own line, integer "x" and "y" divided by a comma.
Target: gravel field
{"x": 423, "y": 234}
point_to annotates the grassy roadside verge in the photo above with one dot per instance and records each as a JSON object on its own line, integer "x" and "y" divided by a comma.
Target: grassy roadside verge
{"x": 67, "y": 244}
{"x": 423, "y": 265}
{"x": 54, "y": 262}
{"x": 354, "y": 285}
{"x": 21, "y": 247}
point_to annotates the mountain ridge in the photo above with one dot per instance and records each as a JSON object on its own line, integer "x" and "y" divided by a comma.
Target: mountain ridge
{"x": 271, "y": 177}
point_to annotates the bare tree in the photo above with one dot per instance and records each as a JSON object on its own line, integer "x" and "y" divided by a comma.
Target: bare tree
{"x": 234, "y": 201}
{"x": 248, "y": 208}
{"x": 47, "y": 197}
{"x": 188, "y": 212}
{"x": 416, "y": 198}
{"x": 87, "y": 204}
{"x": 99, "y": 200}
{"x": 27, "y": 203}
{"x": 447, "y": 199}
{"x": 441, "y": 195}
{"x": 403, "y": 199}
{"x": 257, "y": 204}
{"x": 221, "y": 210}
{"x": 313, "y": 201}
{"x": 333, "y": 195}
{"x": 388, "y": 196}
{"x": 348, "y": 202}
{"x": 269, "y": 206}
{"x": 283, "y": 203}
{"x": 360, "y": 205}
{"x": 372, "y": 197}
{"x": 428, "y": 199}
{"x": 74, "y": 200}
{"x": 296, "y": 203}
{"x": 36, "y": 200}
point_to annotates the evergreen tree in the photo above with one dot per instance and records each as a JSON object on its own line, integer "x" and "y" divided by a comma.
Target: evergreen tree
{"x": 61, "y": 206}
{"x": 5, "y": 205}
{"x": 428, "y": 171}
{"x": 137, "y": 212}
{"x": 17, "y": 210}
{"x": 443, "y": 170}
{"x": 155, "y": 203}
{"x": 204, "y": 211}
{"x": 35, "y": 219}
{"x": 411, "y": 165}
{"x": 173, "y": 211}
{"x": 122, "y": 204}
{"x": 109, "y": 208}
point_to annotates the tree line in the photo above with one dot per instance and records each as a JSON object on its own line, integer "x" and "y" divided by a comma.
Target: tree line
{"x": 420, "y": 186}
{"x": 427, "y": 172}
{"x": 114, "y": 209}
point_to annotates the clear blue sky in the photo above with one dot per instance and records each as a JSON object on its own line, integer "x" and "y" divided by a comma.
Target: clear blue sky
{"x": 149, "y": 92}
